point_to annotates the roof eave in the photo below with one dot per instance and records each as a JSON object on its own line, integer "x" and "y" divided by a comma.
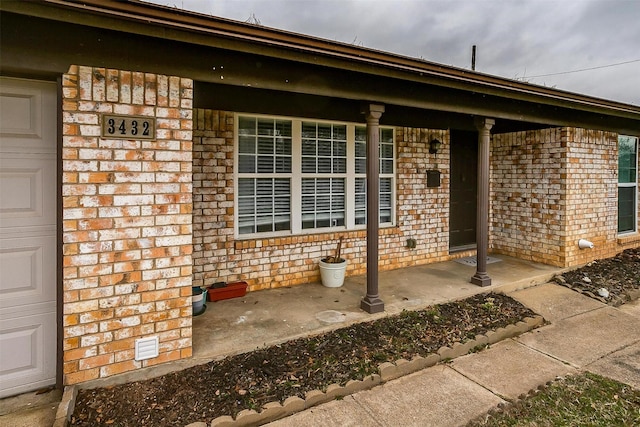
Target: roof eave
{"x": 176, "y": 24}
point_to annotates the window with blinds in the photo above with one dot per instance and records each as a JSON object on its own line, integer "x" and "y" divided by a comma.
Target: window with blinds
{"x": 264, "y": 169}
{"x": 300, "y": 176}
{"x": 324, "y": 173}
{"x": 627, "y": 184}
{"x": 386, "y": 170}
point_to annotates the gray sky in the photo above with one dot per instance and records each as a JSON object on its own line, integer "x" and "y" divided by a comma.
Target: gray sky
{"x": 517, "y": 39}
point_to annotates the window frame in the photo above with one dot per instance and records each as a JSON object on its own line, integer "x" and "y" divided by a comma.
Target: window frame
{"x": 382, "y": 176}
{"x": 296, "y": 176}
{"x": 633, "y": 185}
{"x": 277, "y": 160}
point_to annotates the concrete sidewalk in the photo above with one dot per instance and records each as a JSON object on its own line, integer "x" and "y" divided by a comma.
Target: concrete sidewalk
{"x": 583, "y": 335}
{"x": 30, "y": 409}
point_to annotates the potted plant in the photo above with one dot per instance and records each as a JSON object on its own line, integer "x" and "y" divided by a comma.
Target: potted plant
{"x": 197, "y": 300}
{"x": 333, "y": 268}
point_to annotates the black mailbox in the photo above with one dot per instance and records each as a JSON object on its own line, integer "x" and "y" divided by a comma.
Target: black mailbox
{"x": 433, "y": 178}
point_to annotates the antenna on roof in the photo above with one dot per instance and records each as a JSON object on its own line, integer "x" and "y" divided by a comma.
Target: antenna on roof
{"x": 253, "y": 19}
{"x": 473, "y": 58}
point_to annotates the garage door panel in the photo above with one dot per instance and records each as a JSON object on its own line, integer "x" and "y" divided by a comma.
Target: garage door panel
{"x": 19, "y": 350}
{"x": 19, "y": 269}
{"x": 27, "y": 116}
{"x": 27, "y": 191}
{"x": 17, "y": 189}
{"x": 25, "y": 343}
{"x": 25, "y": 270}
{"x": 20, "y": 113}
{"x": 28, "y": 244}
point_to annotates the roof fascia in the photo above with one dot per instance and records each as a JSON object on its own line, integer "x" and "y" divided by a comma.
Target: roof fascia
{"x": 176, "y": 24}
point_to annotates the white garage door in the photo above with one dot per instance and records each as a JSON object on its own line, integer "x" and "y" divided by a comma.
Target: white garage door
{"x": 27, "y": 235}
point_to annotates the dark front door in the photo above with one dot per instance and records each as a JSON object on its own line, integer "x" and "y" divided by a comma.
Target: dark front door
{"x": 464, "y": 190}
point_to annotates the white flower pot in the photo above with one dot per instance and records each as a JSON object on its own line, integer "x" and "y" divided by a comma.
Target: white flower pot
{"x": 332, "y": 273}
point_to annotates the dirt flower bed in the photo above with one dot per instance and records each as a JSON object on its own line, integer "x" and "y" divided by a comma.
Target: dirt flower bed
{"x": 272, "y": 374}
{"x": 614, "y": 280}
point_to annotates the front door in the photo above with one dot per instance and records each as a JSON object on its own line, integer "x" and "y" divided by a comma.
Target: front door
{"x": 464, "y": 190}
{"x": 27, "y": 235}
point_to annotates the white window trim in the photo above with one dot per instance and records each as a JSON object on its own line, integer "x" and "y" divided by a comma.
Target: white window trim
{"x": 631, "y": 185}
{"x": 296, "y": 180}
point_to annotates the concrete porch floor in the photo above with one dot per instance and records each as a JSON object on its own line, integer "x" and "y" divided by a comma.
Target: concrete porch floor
{"x": 273, "y": 316}
{"x": 268, "y": 317}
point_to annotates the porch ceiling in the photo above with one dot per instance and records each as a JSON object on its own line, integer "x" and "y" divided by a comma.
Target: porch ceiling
{"x": 139, "y": 36}
{"x": 263, "y": 101}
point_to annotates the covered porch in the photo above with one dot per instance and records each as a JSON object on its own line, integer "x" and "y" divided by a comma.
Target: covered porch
{"x": 272, "y": 316}
{"x": 269, "y": 317}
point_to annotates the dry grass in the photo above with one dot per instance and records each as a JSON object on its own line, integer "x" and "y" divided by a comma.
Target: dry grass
{"x": 581, "y": 400}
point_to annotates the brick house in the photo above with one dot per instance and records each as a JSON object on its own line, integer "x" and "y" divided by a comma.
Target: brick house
{"x": 146, "y": 150}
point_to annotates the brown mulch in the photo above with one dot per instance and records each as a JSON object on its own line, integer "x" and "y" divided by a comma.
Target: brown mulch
{"x": 271, "y": 374}
{"x": 613, "y": 280}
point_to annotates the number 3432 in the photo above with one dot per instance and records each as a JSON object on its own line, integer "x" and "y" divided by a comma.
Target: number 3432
{"x": 128, "y": 127}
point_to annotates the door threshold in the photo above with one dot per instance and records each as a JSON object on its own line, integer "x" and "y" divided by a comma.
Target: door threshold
{"x": 463, "y": 248}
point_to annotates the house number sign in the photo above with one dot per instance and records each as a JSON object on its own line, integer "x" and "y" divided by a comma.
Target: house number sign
{"x": 128, "y": 127}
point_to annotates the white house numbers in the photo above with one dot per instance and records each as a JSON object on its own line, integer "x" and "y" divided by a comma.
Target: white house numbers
{"x": 128, "y": 127}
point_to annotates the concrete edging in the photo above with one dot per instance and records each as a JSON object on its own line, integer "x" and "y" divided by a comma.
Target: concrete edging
{"x": 387, "y": 371}
{"x": 631, "y": 295}
{"x": 66, "y": 406}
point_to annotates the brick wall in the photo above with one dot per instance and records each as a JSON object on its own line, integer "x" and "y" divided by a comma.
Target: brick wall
{"x": 126, "y": 222}
{"x": 550, "y": 188}
{"x": 592, "y": 194}
{"x": 528, "y": 181}
{"x": 422, "y": 213}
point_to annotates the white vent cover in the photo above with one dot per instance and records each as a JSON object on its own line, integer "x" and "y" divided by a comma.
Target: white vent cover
{"x": 147, "y": 348}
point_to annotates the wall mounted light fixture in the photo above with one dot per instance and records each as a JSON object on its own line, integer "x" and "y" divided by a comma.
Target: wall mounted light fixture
{"x": 434, "y": 146}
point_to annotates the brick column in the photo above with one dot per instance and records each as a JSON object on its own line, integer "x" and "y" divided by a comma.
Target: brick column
{"x": 127, "y": 233}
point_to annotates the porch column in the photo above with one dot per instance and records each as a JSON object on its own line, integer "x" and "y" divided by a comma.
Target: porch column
{"x": 484, "y": 125}
{"x": 372, "y": 303}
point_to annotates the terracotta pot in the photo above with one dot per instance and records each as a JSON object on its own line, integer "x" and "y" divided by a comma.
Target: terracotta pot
{"x": 230, "y": 290}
